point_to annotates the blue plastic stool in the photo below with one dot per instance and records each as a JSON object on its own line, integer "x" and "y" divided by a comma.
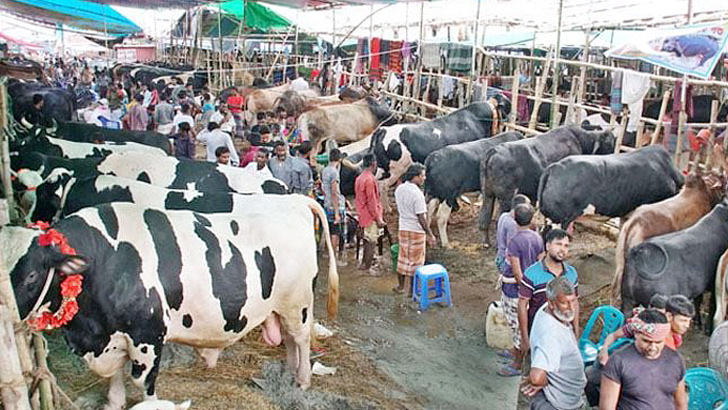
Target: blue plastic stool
{"x": 431, "y": 278}
{"x": 707, "y": 388}
{"x": 613, "y": 320}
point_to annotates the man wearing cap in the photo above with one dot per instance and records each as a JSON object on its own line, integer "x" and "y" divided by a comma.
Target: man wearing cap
{"x": 645, "y": 375}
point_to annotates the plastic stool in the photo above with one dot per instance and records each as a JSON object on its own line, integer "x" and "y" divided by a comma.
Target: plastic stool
{"x": 430, "y": 278}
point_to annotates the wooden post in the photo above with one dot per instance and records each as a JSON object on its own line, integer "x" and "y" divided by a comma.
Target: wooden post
{"x": 540, "y": 84}
{"x": 426, "y": 97}
{"x": 514, "y": 93}
{"x": 441, "y": 84}
{"x": 12, "y": 384}
{"x": 41, "y": 358}
{"x": 663, "y": 110}
{"x": 572, "y": 100}
{"x": 621, "y": 130}
{"x": 713, "y": 118}
{"x": 640, "y": 132}
{"x": 5, "y": 173}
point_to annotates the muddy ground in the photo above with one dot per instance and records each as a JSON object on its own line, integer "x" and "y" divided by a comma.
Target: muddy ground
{"x": 387, "y": 354}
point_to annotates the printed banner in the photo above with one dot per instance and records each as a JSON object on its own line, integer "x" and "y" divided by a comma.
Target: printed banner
{"x": 692, "y": 50}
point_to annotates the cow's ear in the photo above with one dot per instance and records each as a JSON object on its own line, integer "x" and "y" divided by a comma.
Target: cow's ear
{"x": 72, "y": 265}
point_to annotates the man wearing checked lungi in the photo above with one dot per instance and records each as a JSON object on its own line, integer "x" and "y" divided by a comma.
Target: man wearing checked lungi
{"x": 414, "y": 228}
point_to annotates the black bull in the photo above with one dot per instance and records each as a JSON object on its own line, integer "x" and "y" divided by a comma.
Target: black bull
{"x": 421, "y": 139}
{"x": 614, "y": 184}
{"x": 516, "y": 167}
{"x": 682, "y": 262}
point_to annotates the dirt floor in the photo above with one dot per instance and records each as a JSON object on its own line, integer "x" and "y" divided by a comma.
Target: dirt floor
{"x": 387, "y": 354}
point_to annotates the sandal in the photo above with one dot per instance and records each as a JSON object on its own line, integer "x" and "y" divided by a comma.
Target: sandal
{"x": 506, "y": 354}
{"x": 397, "y": 290}
{"x": 508, "y": 371}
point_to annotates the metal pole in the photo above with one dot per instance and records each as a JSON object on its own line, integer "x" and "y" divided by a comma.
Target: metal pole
{"x": 690, "y": 11}
{"x": 555, "y": 86}
{"x": 106, "y": 41}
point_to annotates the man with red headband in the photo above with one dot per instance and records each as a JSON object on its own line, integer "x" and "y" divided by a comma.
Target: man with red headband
{"x": 645, "y": 375}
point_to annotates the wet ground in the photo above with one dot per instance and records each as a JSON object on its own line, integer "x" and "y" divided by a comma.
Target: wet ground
{"x": 387, "y": 354}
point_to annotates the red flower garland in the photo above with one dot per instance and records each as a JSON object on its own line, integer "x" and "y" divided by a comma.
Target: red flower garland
{"x": 71, "y": 286}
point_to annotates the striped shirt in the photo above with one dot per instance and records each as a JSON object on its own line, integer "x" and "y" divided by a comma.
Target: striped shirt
{"x": 533, "y": 285}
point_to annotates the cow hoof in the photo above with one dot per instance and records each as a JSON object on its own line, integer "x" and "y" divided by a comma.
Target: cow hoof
{"x": 304, "y": 385}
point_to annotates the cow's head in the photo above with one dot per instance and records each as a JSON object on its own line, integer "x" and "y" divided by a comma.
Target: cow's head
{"x": 50, "y": 195}
{"x": 30, "y": 264}
{"x": 598, "y": 142}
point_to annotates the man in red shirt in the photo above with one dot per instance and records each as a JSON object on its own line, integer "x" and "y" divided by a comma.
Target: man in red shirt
{"x": 366, "y": 195}
{"x": 235, "y": 103}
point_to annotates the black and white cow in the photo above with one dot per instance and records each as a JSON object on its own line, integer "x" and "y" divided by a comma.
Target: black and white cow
{"x": 151, "y": 277}
{"x": 82, "y": 132}
{"x": 613, "y": 184}
{"x": 454, "y": 170}
{"x": 61, "y": 195}
{"x": 516, "y": 167}
{"x": 398, "y": 146}
{"x": 37, "y": 141}
{"x": 166, "y": 172}
{"x": 682, "y": 262}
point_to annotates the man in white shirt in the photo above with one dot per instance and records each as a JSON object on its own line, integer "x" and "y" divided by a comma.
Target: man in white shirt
{"x": 183, "y": 116}
{"x": 260, "y": 165}
{"x": 215, "y": 138}
{"x": 224, "y": 118}
{"x": 414, "y": 228}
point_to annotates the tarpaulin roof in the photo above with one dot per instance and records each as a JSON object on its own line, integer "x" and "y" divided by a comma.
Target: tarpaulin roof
{"x": 79, "y": 14}
{"x": 287, "y": 3}
{"x": 19, "y": 42}
{"x": 257, "y": 16}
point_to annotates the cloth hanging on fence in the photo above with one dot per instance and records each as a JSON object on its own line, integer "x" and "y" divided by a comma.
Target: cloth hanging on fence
{"x": 430, "y": 55}
{"x": 395, "y": 56}
{"x": 406, "y": 50}
{"x": 374, "y": 70}
{"x": 384, "y": 47}
{"x": 616, "y": 94}
{"x": 635, "y": 86}
{"x": 459, "y": 57}
{"x": 524, "y": 113}
{"x": 448, "y": 86}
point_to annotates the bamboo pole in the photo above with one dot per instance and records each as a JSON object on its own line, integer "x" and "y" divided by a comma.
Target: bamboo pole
{"x": 471, "y": 83}
{"x": 446, "y": 110}
{"x": 663, "y": 110}
{"x": 680, "y": 135}
{"x": 557, "y": 74}
{"x": 640, "y": 132}
{"x": 621, "y": 130}
{"x": 713, "y": 118}
{"x": 12, "y": 384}
{"x": 441, "y": 85}
{"x": 515, "y": 87}
{"x": 540, "y": 84}
{"x": 572, "y": 102}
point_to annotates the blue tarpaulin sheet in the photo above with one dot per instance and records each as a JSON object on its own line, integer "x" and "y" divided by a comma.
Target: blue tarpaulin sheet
{"x": 84, "y": 15}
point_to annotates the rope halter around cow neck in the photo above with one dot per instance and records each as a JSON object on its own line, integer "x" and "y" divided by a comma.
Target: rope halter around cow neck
{"x": 40, "y": 317}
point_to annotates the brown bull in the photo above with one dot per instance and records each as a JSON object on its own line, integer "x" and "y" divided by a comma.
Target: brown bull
{"x": 344, "y": 123}
{"x": 694, "y": 201}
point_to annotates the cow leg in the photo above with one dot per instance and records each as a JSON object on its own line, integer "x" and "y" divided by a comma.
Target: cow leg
{"x": 443, "y": 216}
{"x": 384, "y": 196}
{"x": 486, "y": 216}
{"x": 297, "y": 327}
{"x": 210, "y": 356}
{"x": 698, "y": 302}
{"x": 145, "y": 359}
{"x": 117, "y": 391}
{"x": 431, "y": 208}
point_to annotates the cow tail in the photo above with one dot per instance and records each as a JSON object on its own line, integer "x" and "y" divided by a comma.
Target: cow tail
{"x": 332, "y": 305}
{"x": 619, "y": 261}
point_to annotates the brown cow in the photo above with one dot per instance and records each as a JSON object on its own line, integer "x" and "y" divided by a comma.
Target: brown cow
{"x": 344, "y": 123}
{"x": 694, "y": 201}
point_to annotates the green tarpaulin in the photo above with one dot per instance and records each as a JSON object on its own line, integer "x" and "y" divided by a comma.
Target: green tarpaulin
{"x": 78, "y": 14}
{"x": 257, "y": 16}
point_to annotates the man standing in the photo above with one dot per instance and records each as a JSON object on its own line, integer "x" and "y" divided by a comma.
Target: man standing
{"x": 506, "y": 227}
{"x": 532, "y": 290}
{"x": 645, "y": 375}
{"x": 235, "y": 103}
{"x": 164, "y": 115}
{"x": 183, "y": 116}
{"x": 281, "y": 164}
{"x": 556, "y": 380}
{"x": 414, "y": 228}
{"x": 368, "y": 207}
{"x": 137, "y": 117}
{"x": 260, "y": 165}
{"x": 524, "y": 249}
{"x": 302, "y": 173}
{"x": 334, "y": 202}
{"x": 214, "y": 138}
{"x": 222, "y": 155}
{"x": 184, "y": 142}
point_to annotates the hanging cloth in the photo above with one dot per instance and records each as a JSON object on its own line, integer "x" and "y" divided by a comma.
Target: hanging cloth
{"x": 384, "y": 47}
{"x": 635, "y": 86}
{"x": 459, "y": 57}
{"x": 616, "y": 94}
{"x": 374, "y": 70}
{"x": 430, "y": 55}
{"x": 395, "y": 56}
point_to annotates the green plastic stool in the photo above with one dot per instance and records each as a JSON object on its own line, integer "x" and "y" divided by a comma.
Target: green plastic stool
{"x": 394, "y": 249}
